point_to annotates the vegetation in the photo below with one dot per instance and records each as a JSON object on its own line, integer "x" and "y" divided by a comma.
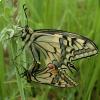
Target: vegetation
{"x": 77, "y": 16}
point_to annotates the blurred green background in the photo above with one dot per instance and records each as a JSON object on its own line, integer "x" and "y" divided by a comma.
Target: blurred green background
{"x": 78, "y": 16}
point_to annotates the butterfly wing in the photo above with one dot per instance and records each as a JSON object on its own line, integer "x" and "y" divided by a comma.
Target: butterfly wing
{"x": 52, "y": 76}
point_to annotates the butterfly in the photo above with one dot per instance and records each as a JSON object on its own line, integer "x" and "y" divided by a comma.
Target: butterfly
{"x": 56, "y": 45}
{"x": 50, "y": 75}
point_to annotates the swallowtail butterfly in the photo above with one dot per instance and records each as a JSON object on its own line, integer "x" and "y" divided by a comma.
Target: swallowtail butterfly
{"x": 50, "y": 75}
{"x": 58, "y": 45}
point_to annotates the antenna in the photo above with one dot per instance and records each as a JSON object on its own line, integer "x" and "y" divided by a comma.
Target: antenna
{"x": 24, "y": 7}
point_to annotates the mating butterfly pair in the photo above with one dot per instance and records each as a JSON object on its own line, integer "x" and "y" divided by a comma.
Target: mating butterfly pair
{"x": 54, "y": 45}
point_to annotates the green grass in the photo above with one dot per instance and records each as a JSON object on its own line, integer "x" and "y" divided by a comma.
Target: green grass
{"x": 78, "y": 16}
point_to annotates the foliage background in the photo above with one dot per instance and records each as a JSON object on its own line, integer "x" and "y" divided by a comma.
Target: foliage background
{"x": 78, "y": 16}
